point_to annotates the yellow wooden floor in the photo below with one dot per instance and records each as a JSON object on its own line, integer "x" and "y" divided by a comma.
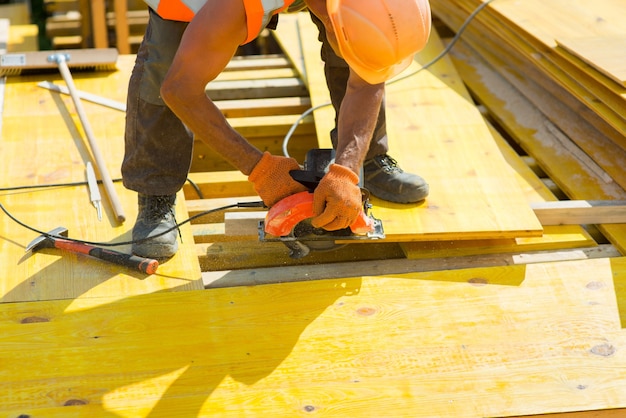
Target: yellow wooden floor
{"x": 415, "y": 345}
{"x": 465, "y": 325}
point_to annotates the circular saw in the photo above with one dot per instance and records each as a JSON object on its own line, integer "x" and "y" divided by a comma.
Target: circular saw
{"x": 289, "y": 220}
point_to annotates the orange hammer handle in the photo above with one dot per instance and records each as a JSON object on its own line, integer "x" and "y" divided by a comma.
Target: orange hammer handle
{"x": 146, "y": 265}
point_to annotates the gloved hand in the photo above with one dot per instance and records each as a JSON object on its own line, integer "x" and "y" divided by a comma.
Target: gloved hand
{"x": 337, "y": 200}
{"x": 271, "y": 178}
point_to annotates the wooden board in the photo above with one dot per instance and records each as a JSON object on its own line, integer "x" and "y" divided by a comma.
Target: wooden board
{"x": 43, "y": 137}
{"x": 571, "y": 169}
{"x": 532, "y": 29}
{"x": 598, "y": 53}
{"x": 473, "y": 191}
{"x": 439, "y": 344}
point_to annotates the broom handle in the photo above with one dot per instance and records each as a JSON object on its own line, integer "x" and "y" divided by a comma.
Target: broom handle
{"x": 61, "y": 60}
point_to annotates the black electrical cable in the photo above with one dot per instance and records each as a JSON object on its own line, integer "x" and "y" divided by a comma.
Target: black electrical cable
{"x": 255, "y": 204}
{"x": 82, "y": 183}
{"x": 50, "y": 185}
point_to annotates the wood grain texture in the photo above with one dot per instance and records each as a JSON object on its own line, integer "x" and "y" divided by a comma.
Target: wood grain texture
{"x": 442, "y": 344}
{"x": 527, "y": 124}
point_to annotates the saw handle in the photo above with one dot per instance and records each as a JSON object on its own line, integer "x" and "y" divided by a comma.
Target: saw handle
{"x": 145, "y": 265}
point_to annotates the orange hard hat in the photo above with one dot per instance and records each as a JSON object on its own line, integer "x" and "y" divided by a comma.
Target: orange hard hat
{"x": 378, "y": 38}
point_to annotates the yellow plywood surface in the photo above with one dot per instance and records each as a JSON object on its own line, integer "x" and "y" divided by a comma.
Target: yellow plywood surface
{"x": 436, "y": 131}
{"x": 42, "y": 142}
{"x": 535, "y": 339}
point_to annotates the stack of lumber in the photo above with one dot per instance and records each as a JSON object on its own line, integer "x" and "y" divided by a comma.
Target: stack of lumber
{"x": 551, "y": 75}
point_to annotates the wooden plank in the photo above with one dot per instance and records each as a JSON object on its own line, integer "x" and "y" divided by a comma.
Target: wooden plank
{"x": 98, "y": 23}
{"x": 527, "y": 126}
{"x": 257, "y": 62}
{"x": 448, "y": 148}
{"x": 598, "y": 52}
{"x": 263, "y": 107}
{"x": 215, "y": 185}
{"x": 23, "y": 38}
{"x": 226, "y": 254}
{"x": 244, "y": 89}
{"x": 428, "y": 344}
{"x": 256, "y": 74}
{"x": 555, "y": 238}
{"x": 586, "y": 130}
{"x": 120, "y": 8}
{"x": 569, "y": 212}
{"x": 533, "y": 29}
{"x": 580, "y": 212}
{"x": 488, "y": 267}
{"x": 243, "y": 224}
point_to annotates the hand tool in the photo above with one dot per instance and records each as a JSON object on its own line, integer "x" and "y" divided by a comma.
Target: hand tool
{"x": 99, "y": 59}
{"x": 61, "y": 60}
{"x": 52, "y": 240}
{"x": 289, "y": 220}
{"x": 94, "y": 191}
{"x": 94, "y": 98}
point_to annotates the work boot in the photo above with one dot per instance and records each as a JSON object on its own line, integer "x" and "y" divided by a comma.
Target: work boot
{"x": 156, "y": 215}
{"x": 386, "y": 180}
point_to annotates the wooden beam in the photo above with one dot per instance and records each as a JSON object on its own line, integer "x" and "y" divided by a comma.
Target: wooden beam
{"x": 567, "y": 212}
{"x": 581, "y": 212}
{"x": 294, "y": 273}
{"x": 121, "y": 26}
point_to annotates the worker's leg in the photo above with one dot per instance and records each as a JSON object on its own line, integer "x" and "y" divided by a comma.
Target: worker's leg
{"x": 381, "y": 174}
{"x": 158, "y": 147}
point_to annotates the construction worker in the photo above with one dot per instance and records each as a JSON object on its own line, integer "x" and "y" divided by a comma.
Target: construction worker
{"x": 188, "y": 43}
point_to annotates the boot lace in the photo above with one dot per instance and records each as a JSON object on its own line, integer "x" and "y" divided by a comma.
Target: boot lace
{"x": 387, "y": 163}
{"x": 162, "y": 207}
{"x": 159, "y": 207}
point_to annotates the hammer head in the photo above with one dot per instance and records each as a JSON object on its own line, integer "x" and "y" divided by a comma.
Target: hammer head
{"x": 47, "y": 241}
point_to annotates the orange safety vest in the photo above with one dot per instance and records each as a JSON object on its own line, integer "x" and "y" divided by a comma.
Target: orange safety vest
{"x": 258, "y": 12}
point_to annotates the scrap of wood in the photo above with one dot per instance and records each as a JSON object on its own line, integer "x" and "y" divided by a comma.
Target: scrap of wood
{"x": 581, "y": 212}
{"x": 243, "y": 224}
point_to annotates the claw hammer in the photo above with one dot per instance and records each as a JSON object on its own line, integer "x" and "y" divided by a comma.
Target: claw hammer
{"x": 50, "y": 240}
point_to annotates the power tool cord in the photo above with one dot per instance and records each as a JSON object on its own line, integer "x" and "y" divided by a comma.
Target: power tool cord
{"x": 429, "y": 64}
{"x": 255, "y": 204}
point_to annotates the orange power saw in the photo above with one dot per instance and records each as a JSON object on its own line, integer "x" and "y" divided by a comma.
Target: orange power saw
{"x": 289, "y": 220}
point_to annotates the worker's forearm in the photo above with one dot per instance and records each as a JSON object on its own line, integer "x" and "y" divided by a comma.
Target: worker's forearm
{"x": 357, "y": 120}
{"x": 208, "y": 124}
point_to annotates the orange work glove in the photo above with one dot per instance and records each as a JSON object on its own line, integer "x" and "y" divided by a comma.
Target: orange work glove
{"x": 337, "y": 200}
{"x": 272, "y": 180}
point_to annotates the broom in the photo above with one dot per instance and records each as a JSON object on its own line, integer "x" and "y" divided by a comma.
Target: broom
{"x": 99, "y": 59}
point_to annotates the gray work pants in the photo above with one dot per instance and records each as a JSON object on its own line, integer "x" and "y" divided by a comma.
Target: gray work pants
{"x": 158, "y": 146}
